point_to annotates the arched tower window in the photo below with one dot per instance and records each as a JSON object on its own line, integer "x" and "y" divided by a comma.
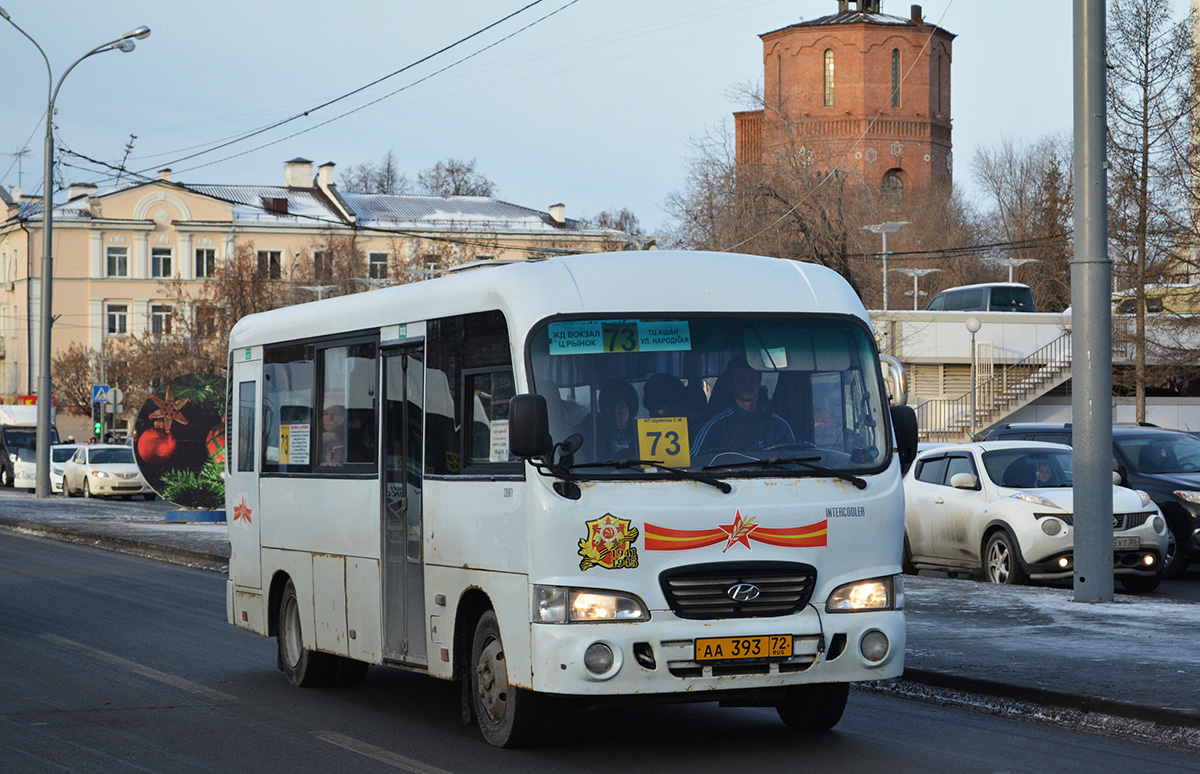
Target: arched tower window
{"x": 892, "y": 187}
{"x": 895, "y": 77}
{"x": 828, "y": 78}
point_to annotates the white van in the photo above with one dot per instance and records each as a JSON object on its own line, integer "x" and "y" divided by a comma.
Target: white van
{"x": 985, "y": 297}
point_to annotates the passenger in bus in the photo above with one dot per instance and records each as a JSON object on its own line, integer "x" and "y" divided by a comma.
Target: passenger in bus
{"x": 747, "y": 425}
{"x": 566, "y": 416}
{"x": 616, "y": 428}
{"x": 333, "y": 435}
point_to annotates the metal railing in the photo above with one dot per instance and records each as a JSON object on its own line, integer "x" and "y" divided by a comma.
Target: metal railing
{"x": 950, "y": 420}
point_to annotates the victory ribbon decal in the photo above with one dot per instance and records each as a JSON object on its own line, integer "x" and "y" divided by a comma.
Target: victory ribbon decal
{"x": 741, "y": 531}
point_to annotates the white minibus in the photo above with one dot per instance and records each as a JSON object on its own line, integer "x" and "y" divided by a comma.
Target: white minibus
{"x": 626, "y": 477}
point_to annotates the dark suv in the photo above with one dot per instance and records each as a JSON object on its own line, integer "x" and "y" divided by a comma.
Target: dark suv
{"x": 1163, "y": 463}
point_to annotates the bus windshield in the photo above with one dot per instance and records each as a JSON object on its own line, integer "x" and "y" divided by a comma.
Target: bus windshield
{"x": 778, "y": 395}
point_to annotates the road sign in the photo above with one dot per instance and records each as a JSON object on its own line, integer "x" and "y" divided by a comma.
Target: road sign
{"x": 99, "y": 393}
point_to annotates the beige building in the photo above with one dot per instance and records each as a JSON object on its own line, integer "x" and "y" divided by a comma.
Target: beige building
{"x": 115, "y": 250}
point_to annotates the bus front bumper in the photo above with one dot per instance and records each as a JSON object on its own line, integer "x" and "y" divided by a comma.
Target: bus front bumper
{"x": 660, "y": 656}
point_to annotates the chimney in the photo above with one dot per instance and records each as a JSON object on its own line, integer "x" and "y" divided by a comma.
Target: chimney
{"x": 297, "y": 173}
{"x": 325, "y": 175}
{"x": 558, "y": 214}
{"x": 75, "y": 190}
{"x": 915, "y": 14}
{"x": 165, "y": 175}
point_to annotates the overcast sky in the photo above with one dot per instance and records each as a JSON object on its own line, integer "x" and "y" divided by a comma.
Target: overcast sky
{"x": 593, "y": 107}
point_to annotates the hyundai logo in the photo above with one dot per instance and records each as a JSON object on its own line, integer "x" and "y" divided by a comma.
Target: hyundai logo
{"x": 742, "y": 592}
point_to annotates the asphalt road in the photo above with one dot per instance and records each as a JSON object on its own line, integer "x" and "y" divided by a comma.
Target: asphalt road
{"x": 116, "y": 663}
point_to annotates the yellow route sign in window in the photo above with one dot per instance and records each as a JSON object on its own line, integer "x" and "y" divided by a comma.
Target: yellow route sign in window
{"x": 664, "y": 439}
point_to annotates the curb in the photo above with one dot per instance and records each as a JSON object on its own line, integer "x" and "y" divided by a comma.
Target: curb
{"x": 178, "y": 556}
{"x": 1047, "y": 697}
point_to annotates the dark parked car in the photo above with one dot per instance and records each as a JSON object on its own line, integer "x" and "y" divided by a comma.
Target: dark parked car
{"x": 1163, "y": 463}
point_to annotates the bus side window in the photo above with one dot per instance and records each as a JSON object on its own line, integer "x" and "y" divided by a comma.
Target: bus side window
{"x": 245, "y": 427}
{"x": 289, "y": 376}
{"x": 347, "y": 420}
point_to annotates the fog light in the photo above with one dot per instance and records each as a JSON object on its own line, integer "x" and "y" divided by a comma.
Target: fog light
{"x": 1063, "y": 562}
{"x": 1148, "y": 560}
{"x": 1159, "y": 525}
{"x": 598, "y": 658}
{"x": 874, "y": 645}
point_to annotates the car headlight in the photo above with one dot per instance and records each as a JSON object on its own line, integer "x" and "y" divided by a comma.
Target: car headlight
{"x": 1146, "y": 497}
{"x": 555, "y": 604}
{"x": 1188, "y": 495}
{"x": 56, "y": 469}
{"x": 1032, "y": 498}
{"x": 874, "y": 594}
{"x": 99, "y": 474}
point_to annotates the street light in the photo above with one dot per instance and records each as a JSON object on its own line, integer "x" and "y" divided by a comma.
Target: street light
{"x": 1012, "y": 263}
{"x": 973, "y": 325}
{"x": 320, "y": 290}
{"x": 916, "y": 274}
{"x": 125, "y": 44}
{"x": 883, "y": 229}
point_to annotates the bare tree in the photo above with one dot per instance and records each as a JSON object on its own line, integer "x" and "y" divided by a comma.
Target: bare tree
{"x": 1148, "y": 56}
{"x": 382, "y": 177}
{"x": 454, "y": 177}
{"x": 1027, "y": 201}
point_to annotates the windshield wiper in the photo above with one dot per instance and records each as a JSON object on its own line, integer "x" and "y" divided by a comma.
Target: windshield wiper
{"x": 678, "y": 472}
{"x": 807, "y": 462}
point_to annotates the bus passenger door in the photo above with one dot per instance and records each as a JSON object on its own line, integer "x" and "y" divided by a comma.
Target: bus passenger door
{"x": 403, "y": 531}
{"x": 242, "y": 448}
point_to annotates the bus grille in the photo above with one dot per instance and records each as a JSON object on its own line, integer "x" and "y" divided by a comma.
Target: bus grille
{"x": 704, "y": 590}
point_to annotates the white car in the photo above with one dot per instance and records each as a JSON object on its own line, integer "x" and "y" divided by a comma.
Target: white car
{"x": 1004, "y": 509}
{"x": 59, "y": 454}
{"x": 99, "y": 470}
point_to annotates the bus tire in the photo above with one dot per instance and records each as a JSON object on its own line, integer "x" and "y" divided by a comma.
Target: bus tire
{"x": 507, "y": 716}
{"x": 816, "y": 707}
{"x": 304, "y": 668}
{"x": 349, "y": 672}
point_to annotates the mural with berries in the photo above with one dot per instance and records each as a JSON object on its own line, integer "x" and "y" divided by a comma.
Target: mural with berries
{"x": 179, "y": 441}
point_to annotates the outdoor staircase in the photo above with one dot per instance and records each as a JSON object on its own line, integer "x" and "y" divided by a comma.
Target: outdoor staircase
{"x": 996, "y": 398}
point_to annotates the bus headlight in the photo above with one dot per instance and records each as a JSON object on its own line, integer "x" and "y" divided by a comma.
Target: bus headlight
{"x": 555, "y": 604}
{"x": 874, "y": 594}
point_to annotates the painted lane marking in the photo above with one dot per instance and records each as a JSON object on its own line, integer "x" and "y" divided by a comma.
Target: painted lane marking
{"x": 141, "y": 669}
{"x": 378, "y": 753}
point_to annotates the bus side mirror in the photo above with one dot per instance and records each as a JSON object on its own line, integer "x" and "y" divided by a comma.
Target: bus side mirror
{"x": 904, "y": 423}
{"x": 529, "y": 426}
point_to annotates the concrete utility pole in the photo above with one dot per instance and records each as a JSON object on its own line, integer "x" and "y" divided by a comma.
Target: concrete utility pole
{"x": 1091, "y": 278}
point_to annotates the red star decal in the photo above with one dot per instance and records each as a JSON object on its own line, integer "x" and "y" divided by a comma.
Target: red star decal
{"x": 739, "y": 532}
{"x": 242, "y": 511}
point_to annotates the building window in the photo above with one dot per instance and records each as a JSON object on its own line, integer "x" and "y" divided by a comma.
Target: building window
{"x": 895, "y": 77}
{"x": 322, "y": 266}
{"x": 377, "y": 265}
{"x": 206, "y": 262}
{"x": 160, "y": 319}
{"x": 117, "y": 319}
{"x": 270, "y": 264}
{"x": 160, "y": 261}
{"x": 206, "y": 321}
{"x": 116, "y": 262}
{"x": 893, "y": 187}
{"x": 828, "y": 78}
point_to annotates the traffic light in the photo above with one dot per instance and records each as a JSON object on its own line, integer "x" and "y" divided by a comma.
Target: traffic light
{"x": 97, "y": 418}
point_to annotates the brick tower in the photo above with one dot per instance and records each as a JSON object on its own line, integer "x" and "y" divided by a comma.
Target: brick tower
{"x": 861, "y": 90}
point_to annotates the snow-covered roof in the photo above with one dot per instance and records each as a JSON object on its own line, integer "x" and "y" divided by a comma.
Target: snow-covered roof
{"x": 858, "y": 17}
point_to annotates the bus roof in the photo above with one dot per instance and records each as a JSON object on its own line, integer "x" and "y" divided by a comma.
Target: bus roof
{"x": 634, "y": 282}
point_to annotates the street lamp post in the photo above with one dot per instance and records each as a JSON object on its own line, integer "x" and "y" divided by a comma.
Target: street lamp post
{"x": 916, "y": 274}
{"x": 125, "y": 43}
{"x": 883, "y": 229}
{"x": 1012, "y": 263}
{"x": 973, "y": 325}
{"x": 320, "y": 290}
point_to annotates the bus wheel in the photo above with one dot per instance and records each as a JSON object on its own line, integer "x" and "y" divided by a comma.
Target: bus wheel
{"x": 304, "y": 668}
{"x": 508, "y": 716}
{"x": 813, "y": 707}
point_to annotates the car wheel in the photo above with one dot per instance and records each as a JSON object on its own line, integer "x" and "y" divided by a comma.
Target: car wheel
{"x": 87, "y": 489}
{"x": 1137, "y": 584}
{"x": 813, "y": 707}
{"x": 304, "y": 668}
{"x": 507, "y": 715}
{"x": 1001, "y": 564}
{"x": 5, "y": 477}
{"x": 906, "y": 562}
{"x": 1175, "y": 561}
{"x": 148, "y": 496}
